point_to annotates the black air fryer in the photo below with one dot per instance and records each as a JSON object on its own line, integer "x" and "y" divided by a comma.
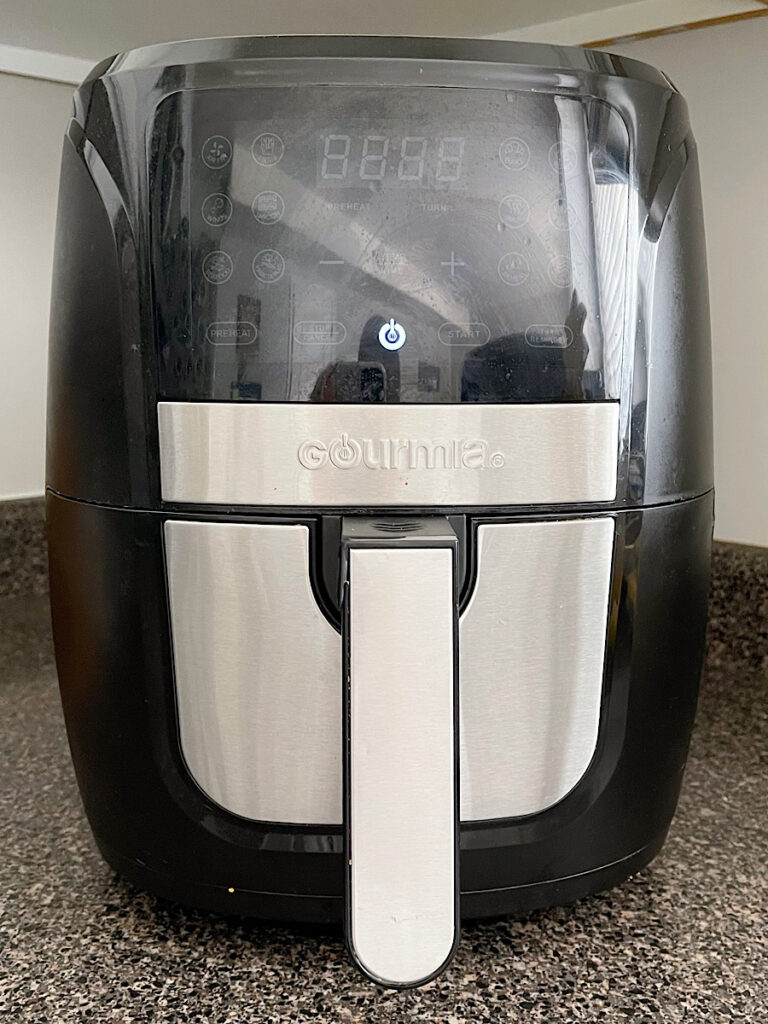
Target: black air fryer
{"x": 379, "y": 476}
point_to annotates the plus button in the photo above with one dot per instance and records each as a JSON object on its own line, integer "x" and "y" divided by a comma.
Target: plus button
{"x": 454, "y": 262}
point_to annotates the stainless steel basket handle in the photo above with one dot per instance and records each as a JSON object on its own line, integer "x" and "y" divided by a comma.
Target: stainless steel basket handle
{"x": 400, "y": 631}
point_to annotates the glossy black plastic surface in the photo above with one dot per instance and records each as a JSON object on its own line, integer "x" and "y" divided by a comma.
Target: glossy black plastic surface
{"x": 108, "y": 351}
{"x": 110, "y": 619}
{"x": 291, "y": 225}
{"x": 536, "y": 56}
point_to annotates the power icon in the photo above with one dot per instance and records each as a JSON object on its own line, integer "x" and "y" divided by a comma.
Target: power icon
{"x": 392, "y": 336}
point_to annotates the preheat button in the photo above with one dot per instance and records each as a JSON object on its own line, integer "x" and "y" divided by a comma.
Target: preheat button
{"x": 231, "y": 332}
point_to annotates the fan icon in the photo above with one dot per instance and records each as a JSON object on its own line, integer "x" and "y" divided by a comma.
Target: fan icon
{"x": 216, "y": 152}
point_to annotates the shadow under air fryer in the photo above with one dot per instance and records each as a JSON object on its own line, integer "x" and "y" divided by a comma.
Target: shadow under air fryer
{"x": 379, "y": 476}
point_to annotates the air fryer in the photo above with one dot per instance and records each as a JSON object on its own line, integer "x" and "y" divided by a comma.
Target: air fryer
{"x": 379, "y": 476}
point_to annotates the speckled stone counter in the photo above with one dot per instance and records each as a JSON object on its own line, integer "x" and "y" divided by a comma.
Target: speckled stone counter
{"x": 23, "y": 557}
{"x": 683, "y": 941}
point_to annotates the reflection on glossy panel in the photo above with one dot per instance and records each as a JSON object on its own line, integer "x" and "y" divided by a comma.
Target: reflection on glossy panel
{"x": 471, "y": 217}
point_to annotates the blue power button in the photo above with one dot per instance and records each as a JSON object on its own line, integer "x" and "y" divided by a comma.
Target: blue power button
{"x": 392, "y": 336}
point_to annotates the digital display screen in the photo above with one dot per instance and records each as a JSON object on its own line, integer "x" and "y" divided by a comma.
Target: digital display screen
{"x": 387, "y": 155}
{"x": 325, "y": 243}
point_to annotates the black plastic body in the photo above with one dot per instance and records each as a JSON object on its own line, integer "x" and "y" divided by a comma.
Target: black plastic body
{"x": 105, "y": 512}
{"x": 155, "y": 825}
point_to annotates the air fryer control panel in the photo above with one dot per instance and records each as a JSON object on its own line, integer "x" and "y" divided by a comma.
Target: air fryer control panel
{"x": 338, "y": 244}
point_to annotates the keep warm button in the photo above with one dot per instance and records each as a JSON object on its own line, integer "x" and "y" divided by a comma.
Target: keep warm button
{"x": 464, "y": 334}
{"x": 231, "y": 332}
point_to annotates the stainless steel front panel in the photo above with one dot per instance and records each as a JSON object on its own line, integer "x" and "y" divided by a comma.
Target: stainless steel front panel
{"x": 402, "y": 811}
{"x": 258, "y": 671}
{"x": 299, "y": 454}
{"x": 532, "y": 646}
{"x": 258, "y": 668}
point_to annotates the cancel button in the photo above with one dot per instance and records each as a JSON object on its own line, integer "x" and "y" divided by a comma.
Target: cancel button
{"x": 231, "y": 332}
{"x": 464, "y": 334}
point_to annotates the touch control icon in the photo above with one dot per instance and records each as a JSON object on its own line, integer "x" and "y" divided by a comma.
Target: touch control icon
{"x": 464, "y": 334}
{"x": 267, "y": 149}
{"x": 268, "y": 207}
{"x": 231, "y": 332}
{"x": 268, "y": 266}
{"x": 514, "y": 268}
{"x": 561, "y": 214}
{"x": 514, "y": 154}
{"x": 559, "y": 271}
{"x": 548, "y": 335}
{"x": 563, "y": 157}
{"x": 217, "y": 267}
{"x": 514, "y": 211}
{"x": 216, "y": 152}
{"x": 216, "y": 209}
{"x": 392, "y": 336}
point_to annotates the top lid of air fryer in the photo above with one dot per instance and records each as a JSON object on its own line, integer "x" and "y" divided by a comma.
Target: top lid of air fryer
{"x": 408, "y": 234}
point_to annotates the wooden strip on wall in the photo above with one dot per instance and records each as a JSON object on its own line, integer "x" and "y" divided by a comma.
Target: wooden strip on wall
{"x": 601, "y": 44}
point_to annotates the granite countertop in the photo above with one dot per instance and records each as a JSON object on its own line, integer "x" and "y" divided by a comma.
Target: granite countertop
{"x": 684, "y": 940}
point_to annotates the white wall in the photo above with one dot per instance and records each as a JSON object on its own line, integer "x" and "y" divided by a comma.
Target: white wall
{"x": 33, "y": 116}
{"x": 723, "y": 74}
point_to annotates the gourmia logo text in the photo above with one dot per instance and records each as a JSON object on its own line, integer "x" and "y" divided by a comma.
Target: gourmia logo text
{"x": 392, "y": 453}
